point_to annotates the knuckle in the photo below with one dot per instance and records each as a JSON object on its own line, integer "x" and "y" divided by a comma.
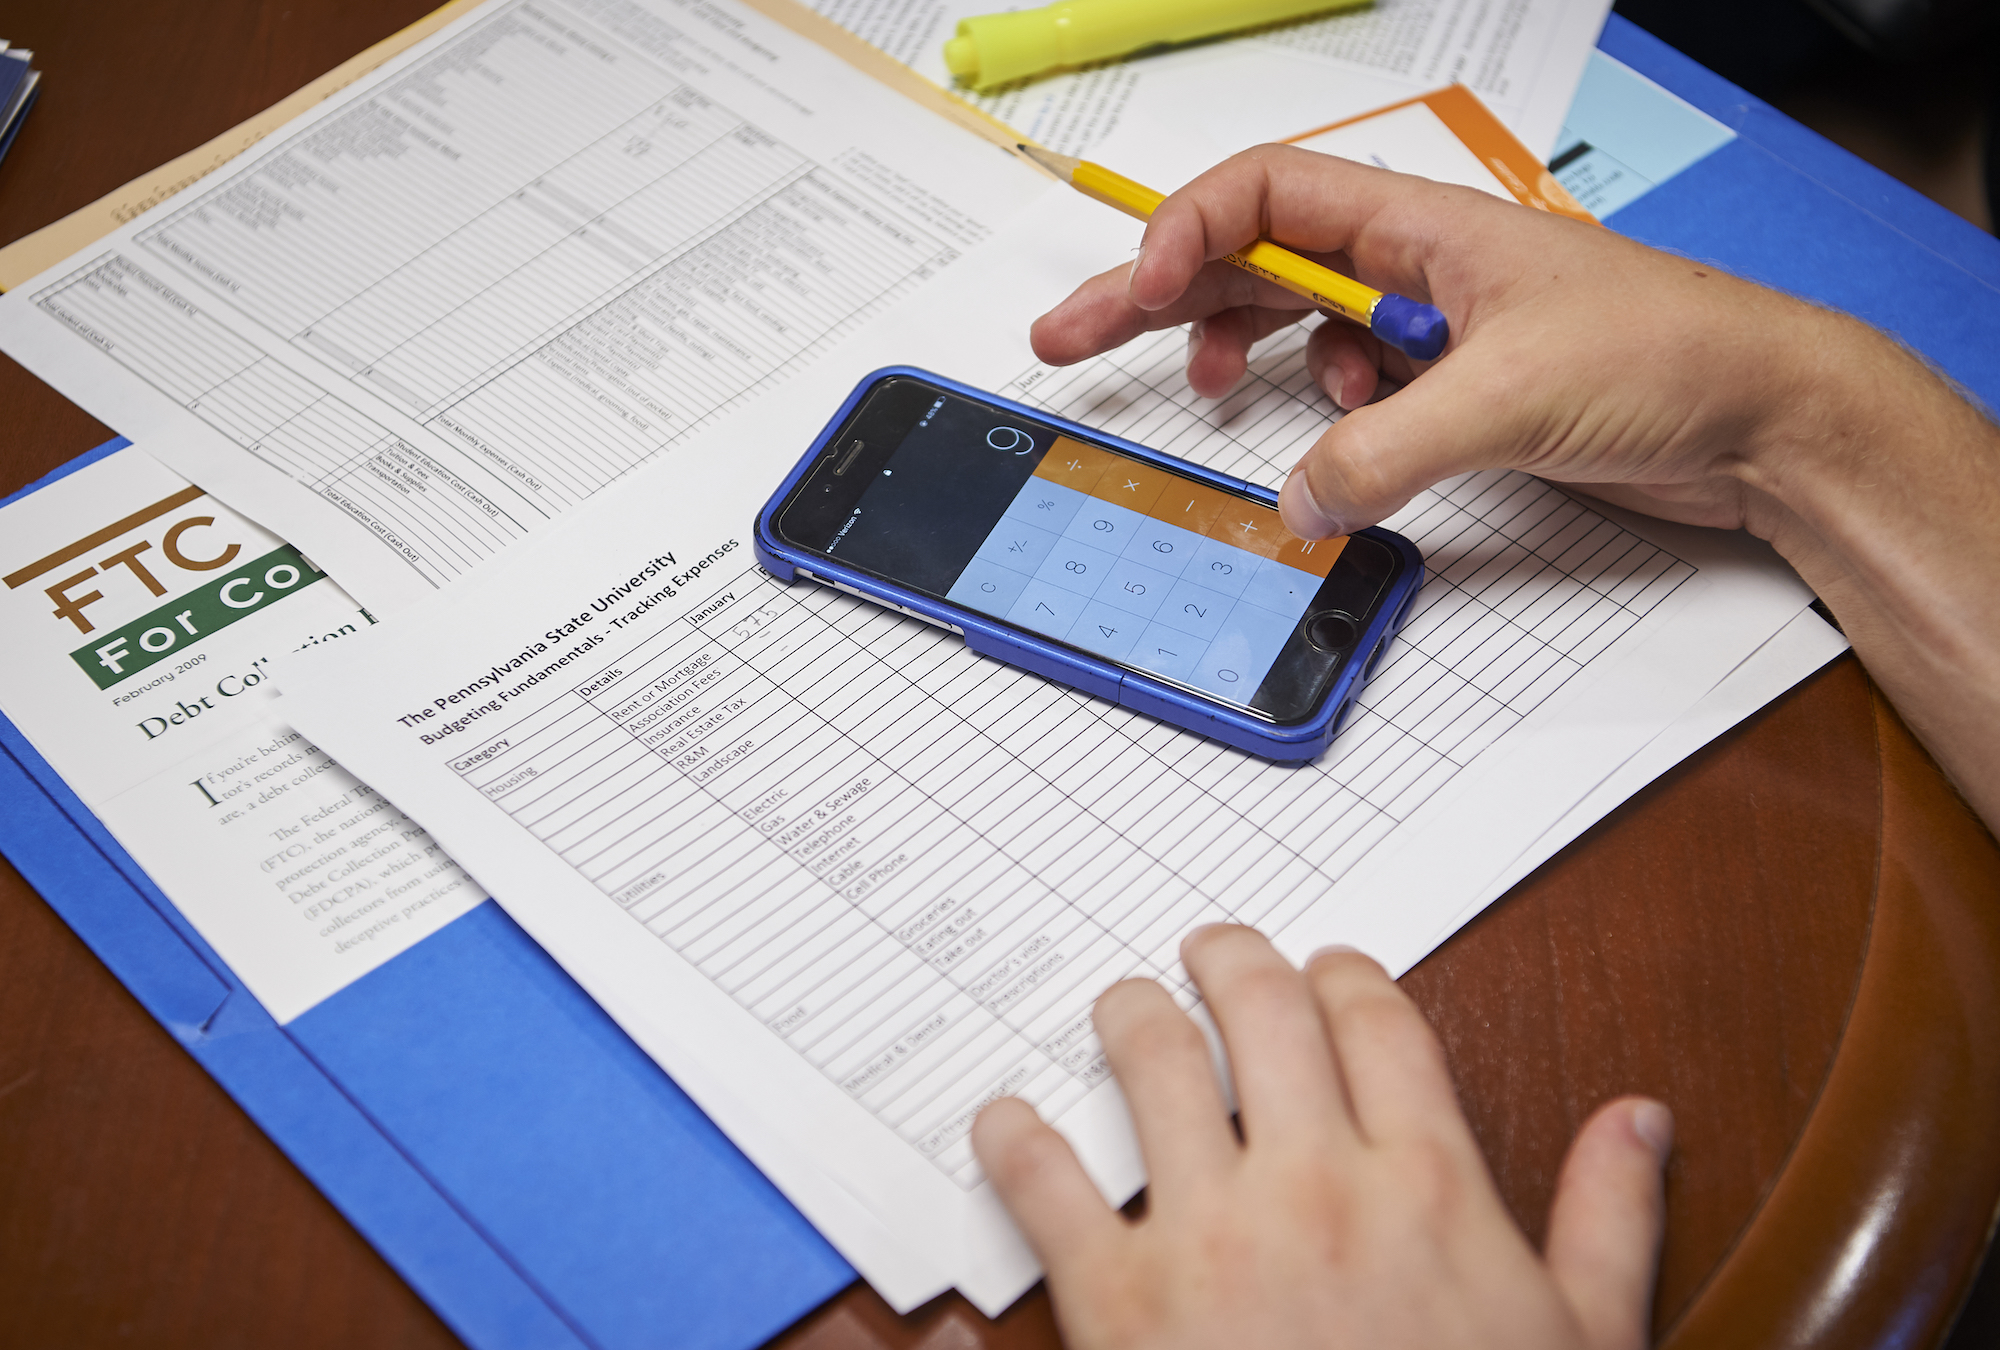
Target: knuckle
{"x": 1386, "y": 1022}
{"x": 1127, "y": 1309}
{"x": 1429, "y": 1173}
{"x": 1319, "y": 1203}
{"x": 1262, "y": 988}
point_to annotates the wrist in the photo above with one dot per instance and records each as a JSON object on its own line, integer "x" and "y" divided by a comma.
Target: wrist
{"x": 1878, "y": 481}
{"x": 1803, "y": 463}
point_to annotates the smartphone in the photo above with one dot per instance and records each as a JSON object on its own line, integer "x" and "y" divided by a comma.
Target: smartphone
{"x": 1089, "y": 560}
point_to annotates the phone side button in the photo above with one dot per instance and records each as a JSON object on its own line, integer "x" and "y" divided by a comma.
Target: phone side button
{"x": 878, "y": 600}
{"x": 1374, "y": 660}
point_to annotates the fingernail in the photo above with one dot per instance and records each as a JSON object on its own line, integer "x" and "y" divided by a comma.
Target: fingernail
{"x": 1197, "y": 338}
{"x": 1133, "y": 275}
{"x": 1334, "y": 382}
{"x": 1301, "y": 514}
{"x": 1654, "y": 1123}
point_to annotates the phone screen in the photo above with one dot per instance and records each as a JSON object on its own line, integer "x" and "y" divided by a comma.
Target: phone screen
{"x": 1077, "y": 542}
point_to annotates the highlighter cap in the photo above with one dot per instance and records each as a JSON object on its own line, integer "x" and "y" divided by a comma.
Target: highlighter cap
{"x": 994, "y": 49}
{"x": 1418, "y": 331}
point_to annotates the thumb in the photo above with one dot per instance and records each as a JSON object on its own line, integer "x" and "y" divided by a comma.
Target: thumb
{"x": 1462, "y": 414}
{"x": 1604, "y": 1227}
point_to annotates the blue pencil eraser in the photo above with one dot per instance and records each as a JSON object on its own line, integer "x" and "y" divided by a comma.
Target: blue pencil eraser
{"x": 1418, "y": 331}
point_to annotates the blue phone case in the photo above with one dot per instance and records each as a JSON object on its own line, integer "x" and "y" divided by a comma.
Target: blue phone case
{"x": 1079, "y": 670}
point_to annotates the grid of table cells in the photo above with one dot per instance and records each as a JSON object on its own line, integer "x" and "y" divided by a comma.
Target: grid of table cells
{"x": 1525, "y": 585}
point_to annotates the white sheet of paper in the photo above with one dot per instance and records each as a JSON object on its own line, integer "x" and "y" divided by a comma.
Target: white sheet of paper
{"x": 1410, "y": 139}
{"x": 535, "y": 250}
{"x": 1522, "y": 57}
{"x": 1797, "y": 650}
{"x": 300, "y": 877}
{"x": 844, "y": 877}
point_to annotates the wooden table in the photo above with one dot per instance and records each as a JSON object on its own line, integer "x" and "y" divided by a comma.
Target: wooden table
{"x": 1790, "y": 938}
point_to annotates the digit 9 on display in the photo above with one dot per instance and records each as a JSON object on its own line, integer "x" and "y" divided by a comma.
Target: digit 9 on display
{"x": 1109, "y": 567}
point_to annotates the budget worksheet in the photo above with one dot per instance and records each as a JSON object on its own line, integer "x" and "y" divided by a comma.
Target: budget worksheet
{"x": 849, "y": 881}
{"x": 472, "y": 289}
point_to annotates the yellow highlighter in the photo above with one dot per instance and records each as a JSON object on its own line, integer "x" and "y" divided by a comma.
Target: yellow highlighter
{"x": 995, "y": 48}
{"x": 1412, "y": 327}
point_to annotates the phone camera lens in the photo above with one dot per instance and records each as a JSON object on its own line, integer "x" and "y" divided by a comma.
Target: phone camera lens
{"x": 1332, "y": 631}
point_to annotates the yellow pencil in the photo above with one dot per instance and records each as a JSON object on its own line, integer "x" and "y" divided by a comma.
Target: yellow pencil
{"x": 1412, "y": 327}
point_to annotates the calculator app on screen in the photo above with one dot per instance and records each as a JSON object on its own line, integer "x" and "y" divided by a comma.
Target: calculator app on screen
{"x": 1147, "y": 568}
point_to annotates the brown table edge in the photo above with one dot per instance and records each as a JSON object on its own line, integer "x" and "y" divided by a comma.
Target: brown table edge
{"x": 1873, "y": 1231}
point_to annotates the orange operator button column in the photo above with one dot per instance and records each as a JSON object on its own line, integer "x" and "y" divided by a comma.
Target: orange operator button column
{"x": 1192, "y": 506}
{"x": 1133, "y": 485}
{"x": 1316, "y": 556}
{"x": 1076, "y": 465}
{"x": 1250, "y": 527}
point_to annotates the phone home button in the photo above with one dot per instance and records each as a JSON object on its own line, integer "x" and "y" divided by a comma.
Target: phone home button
{"x": 1331, "y": 631}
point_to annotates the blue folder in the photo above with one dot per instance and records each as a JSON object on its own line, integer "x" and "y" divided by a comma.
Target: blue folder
{"x": 531, "y": 1173}
{"x": 1786, "y": 207}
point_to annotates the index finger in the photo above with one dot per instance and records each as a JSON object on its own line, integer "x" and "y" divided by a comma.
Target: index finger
{"x": 1099, "y": 315}
{"x": 1388, "y": 225}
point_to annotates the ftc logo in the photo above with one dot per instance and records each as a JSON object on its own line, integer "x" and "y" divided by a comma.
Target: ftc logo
{"x": 185, "y": 544}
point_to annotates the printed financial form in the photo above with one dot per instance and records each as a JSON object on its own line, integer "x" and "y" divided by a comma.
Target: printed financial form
{"x": 529, "y": 254}
{"x": 848, "y": 881}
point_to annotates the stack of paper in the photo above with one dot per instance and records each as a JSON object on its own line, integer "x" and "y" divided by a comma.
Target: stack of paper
{"x": 20, "y": 85}
{"x": 1523, "y": 58}
{"x": 844, "y": 879}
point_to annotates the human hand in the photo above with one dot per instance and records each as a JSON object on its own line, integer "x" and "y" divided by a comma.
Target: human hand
{"x": 1576, "y": 354}
{"x": 1355, "y": 1210}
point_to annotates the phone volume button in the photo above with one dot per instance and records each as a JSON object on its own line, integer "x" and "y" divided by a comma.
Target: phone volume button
{"x": 878, "y": 600}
